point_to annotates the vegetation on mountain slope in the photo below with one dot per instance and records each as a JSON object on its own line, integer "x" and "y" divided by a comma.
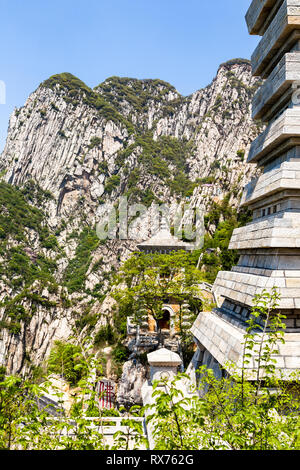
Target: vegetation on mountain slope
{"x": 23, "y": 262}
{"x": 75, "y": 92}
{"x": 224, "y": 219}
{"x": 139, "y": 94}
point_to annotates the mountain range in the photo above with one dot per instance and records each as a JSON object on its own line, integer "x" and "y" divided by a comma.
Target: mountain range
{"x": 71, "y": 152}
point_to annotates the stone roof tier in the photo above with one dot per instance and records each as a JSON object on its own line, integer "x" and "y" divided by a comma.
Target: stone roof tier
{"x": 164, "y": 357}
{"x": 163, "y": 240}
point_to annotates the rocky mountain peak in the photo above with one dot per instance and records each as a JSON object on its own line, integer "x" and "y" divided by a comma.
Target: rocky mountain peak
{"x": 142, "y": 101}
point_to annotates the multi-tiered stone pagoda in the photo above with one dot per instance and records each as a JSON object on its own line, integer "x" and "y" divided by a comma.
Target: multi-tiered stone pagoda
{"x": 270, "y": 245}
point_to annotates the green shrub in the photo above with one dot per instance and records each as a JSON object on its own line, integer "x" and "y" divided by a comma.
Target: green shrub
{"x": 33, "y": 193}
{"x": 241, "y": 154}
{"x": 112, "y": 412}
{"x": 50, "y": 242}
{"x": 97, "y": 265}
{"x": 53, "y": 106}
{"x": 103, "y": 167}
{"x": 112, "y": 183}
{"x": 75, "y": 274}
{"x": 120, "y": 353}
{"x": 87, "y": 320}
{"x": 95, "y": 142}
{"x": 62, "y": 134}
{"x": 105, "y": 335}
{"x": 64, "y": 359}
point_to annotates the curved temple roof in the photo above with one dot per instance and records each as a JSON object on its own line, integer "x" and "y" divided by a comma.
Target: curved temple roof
{"x": 163, "y": 240}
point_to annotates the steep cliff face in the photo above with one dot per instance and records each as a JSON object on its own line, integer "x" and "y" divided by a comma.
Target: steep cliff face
{"x": 72, "y": 151}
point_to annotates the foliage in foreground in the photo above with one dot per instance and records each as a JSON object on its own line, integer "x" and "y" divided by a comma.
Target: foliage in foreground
{"x": 230, "y": 413}
{"x": 233, "y": 413}
{"x": 26, "y": 425}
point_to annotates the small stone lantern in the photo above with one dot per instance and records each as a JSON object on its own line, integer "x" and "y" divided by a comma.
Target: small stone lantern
{"x": 163, "y": 364}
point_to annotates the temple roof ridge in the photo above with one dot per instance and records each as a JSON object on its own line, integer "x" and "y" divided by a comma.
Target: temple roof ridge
{"x": 164, "y": 239}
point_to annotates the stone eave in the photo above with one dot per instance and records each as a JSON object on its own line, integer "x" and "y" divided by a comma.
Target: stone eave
{"x": 163, "y": 240}
{"x": 281, "y": 135}
{"x": 224, "y": 339}
{"x": 257, "y": 15}
{"x": 276, "y": 37}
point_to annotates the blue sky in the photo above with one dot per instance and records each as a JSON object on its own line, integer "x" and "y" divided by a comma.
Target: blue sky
{"x": 181, "y": 42}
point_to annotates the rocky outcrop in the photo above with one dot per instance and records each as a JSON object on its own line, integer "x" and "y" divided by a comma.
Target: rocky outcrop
{"x": 130, "y": 384}
{"x": 32, "y": 343}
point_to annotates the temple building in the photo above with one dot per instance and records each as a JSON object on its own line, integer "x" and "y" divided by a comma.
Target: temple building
{"x": 269, "y": 246}
{"x": 164, "y": 242}
{"x": 167, "y": 325}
